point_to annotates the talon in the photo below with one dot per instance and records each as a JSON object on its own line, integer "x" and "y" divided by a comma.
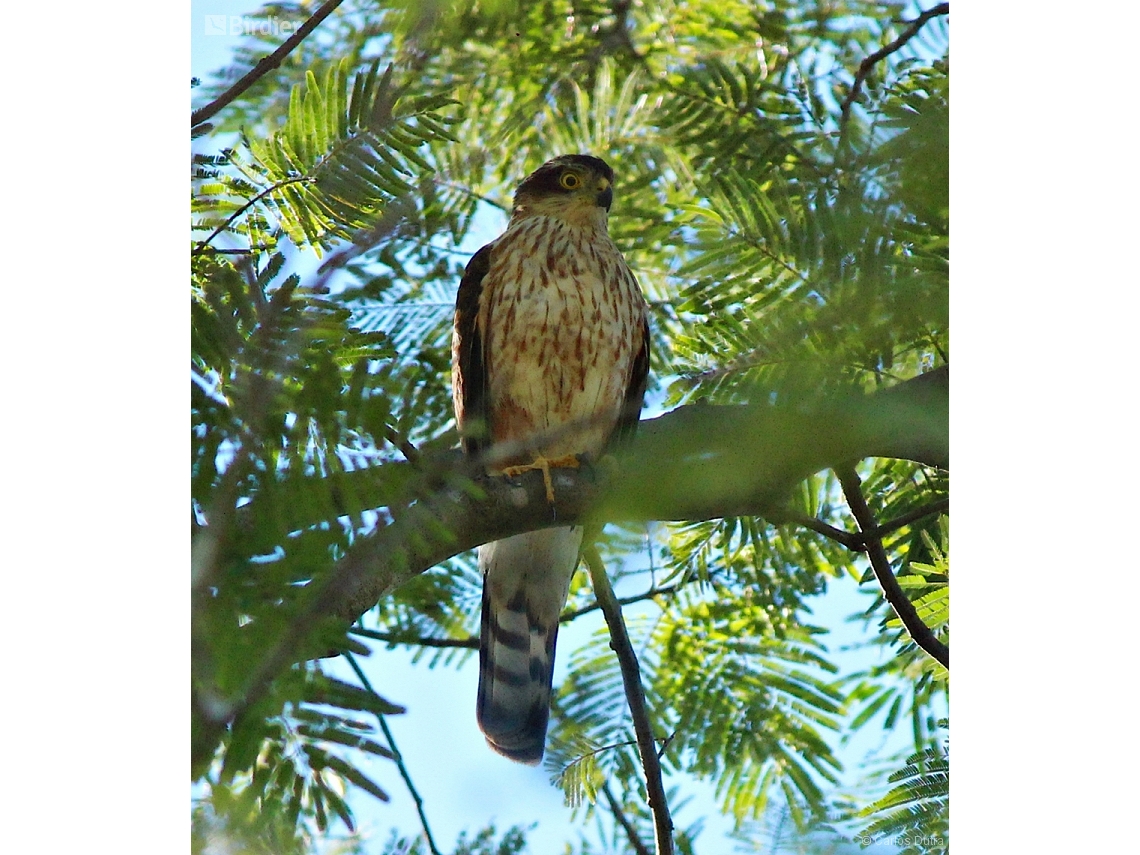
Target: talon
{"x": 567, "y": 461}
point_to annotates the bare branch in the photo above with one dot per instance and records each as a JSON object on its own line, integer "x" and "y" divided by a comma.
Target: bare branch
{"x": 938, "y": 507}
{"x": 635, "y": 696}
{"x": 472, "y": 642}
{"x": 852, "y": 541}
{"x": 469, "y": 643}
{"x": 652, "y": 593}
{"x": 623, "y": 820}
{"x": 410, "y": 452}
{"x": 893, "y": 592}
{"x": 878, "y": 56}
{"x": 856, "y": 541}
{"x": 697, "y": 462}
{"x": 266, "y": 65}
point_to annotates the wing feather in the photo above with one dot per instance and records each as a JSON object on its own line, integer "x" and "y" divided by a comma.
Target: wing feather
{"x": 468, "y": 373}
{"x": 626, "y": 425}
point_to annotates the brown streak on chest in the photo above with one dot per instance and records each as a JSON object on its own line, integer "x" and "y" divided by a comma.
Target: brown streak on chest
{"x": 561, "y": 310}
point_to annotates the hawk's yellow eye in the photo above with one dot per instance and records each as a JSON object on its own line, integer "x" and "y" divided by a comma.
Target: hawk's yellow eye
{"x": 570, "y": 180}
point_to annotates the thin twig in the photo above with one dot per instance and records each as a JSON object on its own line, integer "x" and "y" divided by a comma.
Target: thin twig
{"x": 635, "y": 696}
{"x": 893, "y": 592}
{"x": 410, "y": 452}
{"x": 623, "y": 820}
{"x": 595, "y": 752}
{"x": 470, "y": 643}
{"x": 851, "y": 540}
{"x": 399, "y": 757}
{"x": 265, "y": 66}
{"x": 566, "y": 617}
{"x": 233, "y": 217}
{"x": 910, "y": 516}
{"x": 867, "y": 64}
{"x": 856, "y": 541}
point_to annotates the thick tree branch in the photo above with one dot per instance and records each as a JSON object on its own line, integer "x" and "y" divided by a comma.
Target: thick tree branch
{"x": 881, "y": 564}
{"x": 697, "y": 462}
{"x": 635, "y": 696}
{"x": 265, "y": 66}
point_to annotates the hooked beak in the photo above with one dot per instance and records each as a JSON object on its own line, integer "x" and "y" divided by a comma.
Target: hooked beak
{"x": 605, "y": 196}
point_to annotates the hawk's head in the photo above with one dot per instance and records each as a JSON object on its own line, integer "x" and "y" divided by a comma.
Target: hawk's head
{"x": 575, "y": 187}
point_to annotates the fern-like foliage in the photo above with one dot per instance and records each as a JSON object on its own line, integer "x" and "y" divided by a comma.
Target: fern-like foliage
{"x": 732, "y": 704}
{"x": 914, "y": 815}
{"x": 291, "y": 770}
{"x": 341, "y": 159}
{"x": 801, "y": 267}
{"x": 593, "y": 738}
{"x": 749, "y": 711}
{"x": 295, "y": 426}
{"x": 922, "y": 686}
{"x": 440, "y": 604}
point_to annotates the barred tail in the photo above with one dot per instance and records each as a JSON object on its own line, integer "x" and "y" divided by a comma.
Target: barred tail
{"x": 525, "y": 582}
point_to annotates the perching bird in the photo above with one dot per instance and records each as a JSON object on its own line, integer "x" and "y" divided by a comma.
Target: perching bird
{"x": 551, "y": 341}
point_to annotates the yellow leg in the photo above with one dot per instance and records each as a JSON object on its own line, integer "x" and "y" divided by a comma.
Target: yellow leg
{"x": 568, "y": 461}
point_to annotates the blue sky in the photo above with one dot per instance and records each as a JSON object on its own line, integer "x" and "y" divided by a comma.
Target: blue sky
{"x": 463, "y": 783}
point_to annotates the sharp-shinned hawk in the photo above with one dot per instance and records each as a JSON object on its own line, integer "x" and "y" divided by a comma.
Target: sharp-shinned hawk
{"x": 550, "y": 356}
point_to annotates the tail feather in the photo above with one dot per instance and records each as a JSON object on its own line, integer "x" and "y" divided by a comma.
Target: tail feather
{"x": 525, "y": 582}
{"x": 516, "y": 671}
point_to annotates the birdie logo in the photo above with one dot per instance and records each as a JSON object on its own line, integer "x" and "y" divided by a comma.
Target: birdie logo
{"x": 240, "y": 25}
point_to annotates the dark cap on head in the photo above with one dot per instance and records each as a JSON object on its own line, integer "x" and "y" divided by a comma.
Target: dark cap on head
{"x": 546, "y": 179}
